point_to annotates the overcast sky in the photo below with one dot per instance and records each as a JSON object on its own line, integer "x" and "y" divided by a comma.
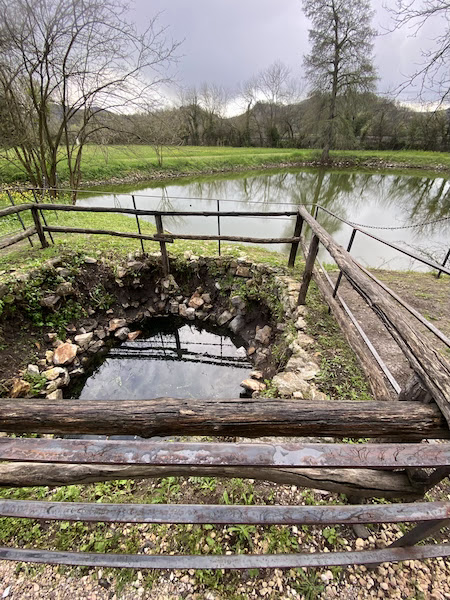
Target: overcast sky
{"x": 228, "y": 41}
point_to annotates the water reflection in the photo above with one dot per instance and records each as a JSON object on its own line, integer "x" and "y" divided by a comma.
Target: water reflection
{"x": 171, "y": 359}
{"x": 382, "y": 200}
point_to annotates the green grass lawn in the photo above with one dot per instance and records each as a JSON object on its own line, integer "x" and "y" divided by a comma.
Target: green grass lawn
{"x": 21, "y": 257}
{"x": 101, "y": 163}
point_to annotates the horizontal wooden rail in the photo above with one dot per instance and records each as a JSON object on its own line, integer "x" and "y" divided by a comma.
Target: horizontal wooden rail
{"x": 168, "y": 213}
{"x": 369, "y": 359}
{"x": 428, "y": 363}
{"x": 14, "y": 209}
{"x": 168, "y": 238}
{"x": 139, "y": 236}
{"x": 437, "y": 332}
{"x": 365, "y": 483}
{"x": 225, "y": 514}
{"x": 236, "y": 561}
{"x": 104, "y": 452}
{"x": 248, "y": 417}
{"x": 13, "y": 239}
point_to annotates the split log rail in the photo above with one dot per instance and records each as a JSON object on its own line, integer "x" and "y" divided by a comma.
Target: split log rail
{"x": 400, "y": 464}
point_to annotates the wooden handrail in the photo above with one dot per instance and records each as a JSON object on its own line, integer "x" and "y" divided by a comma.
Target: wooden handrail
{"x": 429, "y": 364}
{"x": 246, "y": 417}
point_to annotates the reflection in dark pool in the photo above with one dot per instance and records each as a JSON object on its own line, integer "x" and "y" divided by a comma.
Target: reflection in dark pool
{"x": 171, "y": 358}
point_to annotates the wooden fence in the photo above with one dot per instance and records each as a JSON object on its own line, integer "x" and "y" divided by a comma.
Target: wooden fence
{"x": 404, "y": 466}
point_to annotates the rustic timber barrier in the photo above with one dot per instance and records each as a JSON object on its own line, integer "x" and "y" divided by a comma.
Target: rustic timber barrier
{"x": 399, "y": 468}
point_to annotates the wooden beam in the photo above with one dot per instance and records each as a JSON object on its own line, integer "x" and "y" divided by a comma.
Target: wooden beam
{"x": 428, "y": 512}
{"x": 143, "y": 452}
{"x": 297, "y": 234}
{"x": 13, "y": 239}
{"x": 169, "y": 213}
{"x": 364, "y": 483}
{"x": 169, "y": 238}
{"x": 246, "y": 417}
{"x": 430, "y": 365}
{"x": 122, "y": 234}
{"x": 222, "y": 561}
{"x": 162, "y": 245}
{"x": 13, "y": 210}
{"x": 366, "y": 359}
{"x": 38, "y": 225}
{"x": 309, "y": 266}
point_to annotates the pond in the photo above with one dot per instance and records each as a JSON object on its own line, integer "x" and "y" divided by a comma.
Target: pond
{"x": 410, "y": 209}
{"x": 171, "y": 358}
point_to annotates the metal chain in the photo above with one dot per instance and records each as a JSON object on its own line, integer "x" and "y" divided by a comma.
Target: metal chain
{"x": 400, "y": 226}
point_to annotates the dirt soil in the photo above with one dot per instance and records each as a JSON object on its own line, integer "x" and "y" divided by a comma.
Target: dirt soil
{"x": 424, "y": 292}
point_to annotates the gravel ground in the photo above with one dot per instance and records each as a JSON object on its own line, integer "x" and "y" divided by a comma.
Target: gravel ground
{"x": 412, "y": 579}
{"x": 408, "y": 580}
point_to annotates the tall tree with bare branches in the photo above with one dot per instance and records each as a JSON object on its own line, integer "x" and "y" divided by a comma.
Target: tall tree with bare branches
{"x": 63, "y": 64}
{"x": 341, "y": 54}
{"x": 432, "y": 77}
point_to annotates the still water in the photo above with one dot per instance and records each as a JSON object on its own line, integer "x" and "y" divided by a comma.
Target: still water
{"x": 172, "y": 359}
{"x": 410, "y": 209}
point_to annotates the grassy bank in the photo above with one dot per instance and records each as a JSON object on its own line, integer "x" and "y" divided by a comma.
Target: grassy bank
{"x": 105, "y": 163}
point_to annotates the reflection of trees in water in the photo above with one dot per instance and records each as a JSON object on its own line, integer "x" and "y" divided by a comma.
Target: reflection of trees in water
{"x": 345, "y": 193}
{"x": 166, "y": 204}
{"x": 421, "y": 199}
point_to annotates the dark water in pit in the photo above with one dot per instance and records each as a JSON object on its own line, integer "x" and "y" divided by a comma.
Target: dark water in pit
{"x": 171, "y": 358}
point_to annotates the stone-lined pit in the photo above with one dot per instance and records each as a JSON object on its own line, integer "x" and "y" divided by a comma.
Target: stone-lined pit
{"x": 255, "y": 302}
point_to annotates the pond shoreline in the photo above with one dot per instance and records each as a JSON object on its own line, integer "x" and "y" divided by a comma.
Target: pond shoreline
{"x": 161, "y": 176}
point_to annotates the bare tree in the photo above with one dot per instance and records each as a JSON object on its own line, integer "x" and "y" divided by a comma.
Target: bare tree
{"x": 214, "y": 101}
{"x": 248, "y": 92}
{"x": 160, "y": 129}
{"x": 263, "y": 96}
{"x": 192, "y": 113}
{"x": 275, "y": 87}
{"x": 63, "y": 65}
{"x": 433, "y": 76}
{"x": 341, "y": 55}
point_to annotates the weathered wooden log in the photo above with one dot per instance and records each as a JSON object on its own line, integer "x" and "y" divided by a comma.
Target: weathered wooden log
{"x": 17, "y": 237}
{"x": 414, "y": 391}
{"x": 365, "y": 483}
{"x": 169, "y": 238}
{"x": 223, "y": 514}
{"x": 169, "y": 213}
{"x": 310, "y": 259}
{"x": 246, "y": 417}
{"x": 222, "y": 561}
{"x": 122, "y": 234}
{"x": 274, "y": 455}
{"x": 294, "y": 247}
{"x": 162, "y": 245}
{"x": 430, "y": 365}
{"x": 368, "y": 363}
{"x": 38, "y": 225}
{"x": 12, "y": 210}
{"x": 437, "y": 332}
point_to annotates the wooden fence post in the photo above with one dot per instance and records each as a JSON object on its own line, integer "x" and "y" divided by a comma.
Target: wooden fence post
{"x": 294, "y": 247}
{"x": 309, "y": 267}
{"x": 38, "y": 224}
{"x": 162, "y": 244}
{"x": 137, "y": 223}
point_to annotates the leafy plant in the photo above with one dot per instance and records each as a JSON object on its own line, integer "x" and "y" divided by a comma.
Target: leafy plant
{"x": 331, "y": 535}
{"x": 100, "y": 298}
{"x": 37, "y": 382}
{"x": 308, "y": 584}
{"x": 243, "y": 535}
